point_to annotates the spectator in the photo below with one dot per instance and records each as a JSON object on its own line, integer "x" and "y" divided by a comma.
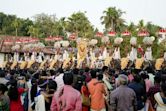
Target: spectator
{"x": 14, "y": 94}
{"x": 39, "y": 100}
{"x": 160, "y": 98}
{"x": 4, "y": 100}
{"x": 97, "y": 92}
{"x": 59, "y": 79}
{"x": 123, "y": 98}
{"x": 139, "y": 90}
{"x": 106, "y": 78}
{"x": 85, "y": 92}
{"x": 79, "y": 83}
{"x": 87, "y": 74}
{"x": 3, "y": 80}
{"x": 24, "y": 96}
{"x": 148, "y": 83}
{"x": 48, "y": 93}
{"x": 151, "y": 75}
{"x": 154, "y": 89}
{"x": 68, "y": 99}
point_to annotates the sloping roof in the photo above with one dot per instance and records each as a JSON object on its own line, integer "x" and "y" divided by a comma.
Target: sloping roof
{"x": 7, "y": 48}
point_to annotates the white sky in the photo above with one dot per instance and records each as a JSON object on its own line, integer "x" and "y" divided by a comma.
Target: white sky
{"x": 149, "y": 10}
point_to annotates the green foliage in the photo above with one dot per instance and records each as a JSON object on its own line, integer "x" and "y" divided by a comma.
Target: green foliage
{"x": 11, "y": 25}
{"x": 44, "y": 25}
{"x": 112, "y": 19}
{"x": 79, "y": 23}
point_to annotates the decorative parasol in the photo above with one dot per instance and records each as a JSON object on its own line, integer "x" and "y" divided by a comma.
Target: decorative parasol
{"x": 8, "y": 42}
{"x": 33, "y": 40}
{"x": 126, "y": 33}
{"x": 52, "y": 39}
{"x": 111, "y": 34}
{"x": 99, "y": 34}
{"x": 162, "y": 31}
{"x": 143, "y": 33}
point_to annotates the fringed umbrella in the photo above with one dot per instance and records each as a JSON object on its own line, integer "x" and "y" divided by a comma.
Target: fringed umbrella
{"x": 99, "y": 34}
{"x": 162, "y": 31}
{"x": 111, "y": 34}
{"x": 143, "y": 33}
{"x": 126, "y": 33}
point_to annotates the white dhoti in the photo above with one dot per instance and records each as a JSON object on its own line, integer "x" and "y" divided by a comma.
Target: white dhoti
{"x": 133, "y": 54}
{"x": 148, "y": 53}
{"x": 116, "y": 54}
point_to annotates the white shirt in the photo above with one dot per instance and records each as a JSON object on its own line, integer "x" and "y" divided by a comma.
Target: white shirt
{"x": 59, "y": 81}
{"x": 151, "y": 78}
{"x": 105, "y": 79}
{"x": 40, "y": 103}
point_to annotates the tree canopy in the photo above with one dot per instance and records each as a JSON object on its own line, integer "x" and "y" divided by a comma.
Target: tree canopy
{"x": 44, "y": 25}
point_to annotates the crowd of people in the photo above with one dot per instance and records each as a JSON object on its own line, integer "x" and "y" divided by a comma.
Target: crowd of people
{"x": 84, "y": 79}
{"x": 85, "y": 89}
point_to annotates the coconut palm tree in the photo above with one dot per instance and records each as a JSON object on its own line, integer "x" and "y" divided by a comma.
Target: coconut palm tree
{"x": 120, "y": 26}
{"x": 141, "y": 25}
{"x": 33, "y": 31}
{"x": 112, "y": 18}
{"x": 152, "y": 29}
{"x": 16, "y": 24}
{"x": 132, "y": 28}
{"x": 79, "y": 23}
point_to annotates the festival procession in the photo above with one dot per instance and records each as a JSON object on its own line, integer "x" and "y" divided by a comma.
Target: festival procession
{"x": 51, "y": 64}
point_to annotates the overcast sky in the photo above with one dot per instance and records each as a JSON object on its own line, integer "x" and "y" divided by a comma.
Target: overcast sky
{"x": 149, "y": 10}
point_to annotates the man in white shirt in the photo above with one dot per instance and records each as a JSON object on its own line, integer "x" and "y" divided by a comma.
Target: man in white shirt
{"x": 59, "y": 79}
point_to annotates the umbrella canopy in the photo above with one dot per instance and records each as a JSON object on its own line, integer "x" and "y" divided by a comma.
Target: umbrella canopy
{"x": 52, "y": 39}
{"x": 26, "y": 40}
{"x": 162, "y": 31}
{"x": 8, "y": 42}
{"x": 126, "y": 33}
{"x": 33, "y": 40}
{"x": 112, "y": 33}
{"x": 143, "y": 33}
{"x": 99, "y": 34}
